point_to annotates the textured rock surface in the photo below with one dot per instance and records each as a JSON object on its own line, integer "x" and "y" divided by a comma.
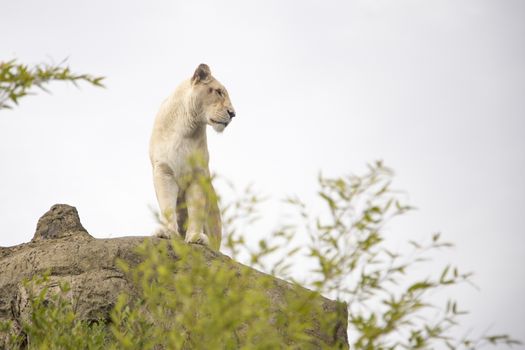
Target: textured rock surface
{"x": 60, "y": 221}
{"x": 62, "y": 246}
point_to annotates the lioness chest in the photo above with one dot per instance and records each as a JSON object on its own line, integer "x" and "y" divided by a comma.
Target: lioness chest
{"x": 185, "y": 154}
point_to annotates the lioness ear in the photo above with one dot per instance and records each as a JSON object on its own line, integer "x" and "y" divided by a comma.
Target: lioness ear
{"x": 202, "y": 74}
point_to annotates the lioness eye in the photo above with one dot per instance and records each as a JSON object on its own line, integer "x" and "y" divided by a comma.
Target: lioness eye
{"x": 219, "y": 91}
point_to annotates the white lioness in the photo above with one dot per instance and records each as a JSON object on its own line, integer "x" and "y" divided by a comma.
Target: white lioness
{"x": 179, "y": 157}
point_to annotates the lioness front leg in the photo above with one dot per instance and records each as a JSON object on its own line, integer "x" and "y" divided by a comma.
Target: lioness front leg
{"x": 196, "y": 202}
{"x": 166, "y": 190}
{"x": 213, "y": 227}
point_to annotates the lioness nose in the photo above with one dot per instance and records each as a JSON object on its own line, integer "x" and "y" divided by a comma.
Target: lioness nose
{"x": 231, "y": 113}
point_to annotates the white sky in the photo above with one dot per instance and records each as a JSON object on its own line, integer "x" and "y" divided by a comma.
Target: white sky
{"x": 435, "y": 88}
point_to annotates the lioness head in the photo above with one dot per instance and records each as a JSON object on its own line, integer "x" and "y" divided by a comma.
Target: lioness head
{"x": 212, "y": 99}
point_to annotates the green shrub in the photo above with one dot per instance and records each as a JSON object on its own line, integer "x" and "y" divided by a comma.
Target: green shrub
{"x": 348, "y": 259}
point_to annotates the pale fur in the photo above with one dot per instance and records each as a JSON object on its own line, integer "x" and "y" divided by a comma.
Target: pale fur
{"x": 179, "y": 157}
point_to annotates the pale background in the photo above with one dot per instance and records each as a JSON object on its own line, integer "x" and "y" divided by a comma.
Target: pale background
{"x": 434, "y": 88}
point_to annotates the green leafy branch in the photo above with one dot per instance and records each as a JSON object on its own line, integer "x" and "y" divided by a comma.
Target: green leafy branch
{"x": 17, "y": 80}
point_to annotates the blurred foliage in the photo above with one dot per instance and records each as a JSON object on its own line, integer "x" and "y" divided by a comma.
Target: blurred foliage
{"x": 347, "y": 257}
{"x": 340, "y": 251}
{"x": 17, "y": 79}
{"x": 207, "y": 304}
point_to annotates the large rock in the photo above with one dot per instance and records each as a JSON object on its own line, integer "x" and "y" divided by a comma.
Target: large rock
{"x": 63, "y": 248}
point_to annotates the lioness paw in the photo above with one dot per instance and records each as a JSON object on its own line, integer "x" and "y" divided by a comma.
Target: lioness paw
{"x": 197, "y": 238}
{"x": 166, "y": 233}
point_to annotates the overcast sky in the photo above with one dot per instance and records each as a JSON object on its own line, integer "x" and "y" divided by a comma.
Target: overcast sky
{"x": 435, "y": 88}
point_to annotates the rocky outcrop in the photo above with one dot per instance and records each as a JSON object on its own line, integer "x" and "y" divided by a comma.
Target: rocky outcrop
{"x": 64, "y": 249}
